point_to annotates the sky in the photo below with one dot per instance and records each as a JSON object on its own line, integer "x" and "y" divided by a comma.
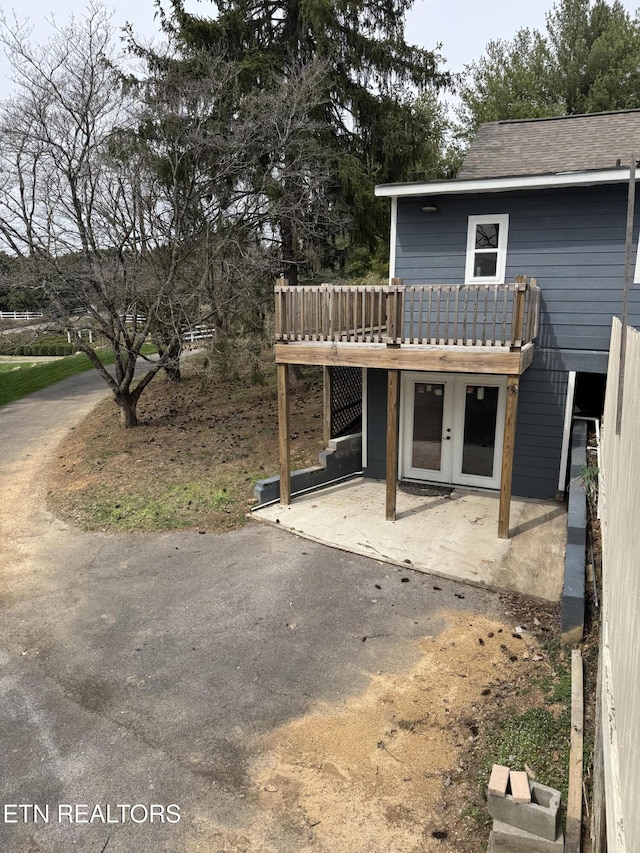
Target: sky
{"x": 454, "y": 23}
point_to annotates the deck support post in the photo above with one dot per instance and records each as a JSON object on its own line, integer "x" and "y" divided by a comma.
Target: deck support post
{"x": 508, "y": 444}
{"x": 327, "y": 404}
{"x": 283, "y": 433}
{"x": 392, "y": 443}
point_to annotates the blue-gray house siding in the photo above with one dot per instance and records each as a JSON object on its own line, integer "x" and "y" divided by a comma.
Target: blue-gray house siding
{"x": 573, "y": 242}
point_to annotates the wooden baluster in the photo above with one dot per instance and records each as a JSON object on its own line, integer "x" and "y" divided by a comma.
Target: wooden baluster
{"x": 437, "y": 338}
{"x": 447, "y": 315}
{"x": 506, "y": 290}
{"x": 485, "y": 314}
{"x": 291, "y": 293}
{"x": 408, "y": 292}
{"x": 456, "y": 340}
{"x": 495, "y": 314}
{"x": 465, "y": 308}
{"x": 420, "y": 303}
{"x": 474, "y": 338}
{"x": 347, "y": 315}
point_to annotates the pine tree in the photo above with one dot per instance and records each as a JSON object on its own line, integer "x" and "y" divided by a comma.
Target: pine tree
{"x": 371, "y": 76}
{"x": 589, "y": 61}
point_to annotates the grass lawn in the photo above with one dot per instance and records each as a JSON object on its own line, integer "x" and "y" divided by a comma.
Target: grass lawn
{"x": 15, "y": 384}
{"x": 18, "y": 383}
{"x": 18, "y": 365}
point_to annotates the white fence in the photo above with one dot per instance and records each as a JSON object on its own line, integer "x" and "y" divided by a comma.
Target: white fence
{"x": 197, "y": 333}
{"x": 20, "y": 315}
{"x": 620, "y": 641}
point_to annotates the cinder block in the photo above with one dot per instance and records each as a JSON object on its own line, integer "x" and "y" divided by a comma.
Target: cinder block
{"x": 509, "y": 839}
{"x": 499, "y": 780}
{"x": 540, "y": 817}
{"x": 520, "y": 790}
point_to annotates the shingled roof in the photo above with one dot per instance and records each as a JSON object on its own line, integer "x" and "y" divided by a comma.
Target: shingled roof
{"x": 552, "y": 145}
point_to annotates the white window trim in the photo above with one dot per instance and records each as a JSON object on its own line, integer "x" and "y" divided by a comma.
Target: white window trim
{"x": 636, "y": 274}
{"x": 502, "y": 219}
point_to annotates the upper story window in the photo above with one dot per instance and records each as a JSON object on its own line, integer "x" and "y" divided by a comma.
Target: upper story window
{"x": 487, "y": 248}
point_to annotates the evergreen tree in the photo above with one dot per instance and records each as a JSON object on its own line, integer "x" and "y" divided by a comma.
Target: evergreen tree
{"x": 367, "y": 113}
{"x": 589, "y": 61}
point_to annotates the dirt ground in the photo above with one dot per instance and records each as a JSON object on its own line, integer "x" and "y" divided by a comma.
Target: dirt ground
{"x": 399, "y": 768}
{"x": 191, "y": 463}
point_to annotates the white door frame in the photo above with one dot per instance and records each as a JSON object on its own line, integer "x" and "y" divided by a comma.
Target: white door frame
{"x": 453, "y": 425}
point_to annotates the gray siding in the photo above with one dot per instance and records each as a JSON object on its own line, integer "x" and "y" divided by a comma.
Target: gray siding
{"x": 571, "y": 240}
{"x": 539, "y": 428}
{"x": 376, "y": 424}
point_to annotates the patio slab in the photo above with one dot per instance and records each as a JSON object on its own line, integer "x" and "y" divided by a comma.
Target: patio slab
{"x": 452, "y": 535}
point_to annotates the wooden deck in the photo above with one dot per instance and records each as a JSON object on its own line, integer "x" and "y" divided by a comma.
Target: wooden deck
{"x": 442, "y": 328}
{"x": 488, "y": 328}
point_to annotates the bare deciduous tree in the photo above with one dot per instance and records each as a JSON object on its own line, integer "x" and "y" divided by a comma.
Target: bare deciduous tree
{"x": 141, "y": 200}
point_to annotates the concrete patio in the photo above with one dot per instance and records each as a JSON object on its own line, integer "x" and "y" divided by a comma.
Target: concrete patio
{"x": 453, "y": 535}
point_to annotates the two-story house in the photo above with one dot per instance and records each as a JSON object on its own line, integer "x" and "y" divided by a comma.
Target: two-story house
{"x": 494, "y": 328}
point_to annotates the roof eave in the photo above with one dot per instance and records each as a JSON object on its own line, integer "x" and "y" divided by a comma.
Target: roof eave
{"x": 519, "y": 182}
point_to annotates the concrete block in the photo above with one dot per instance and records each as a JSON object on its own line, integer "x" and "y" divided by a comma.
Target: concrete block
{"x": 520, "y": 790}
{"x": 540, "y": 817}
{"x": 499, "y": 780}
{"x": 342, "y": 458}
{"x": 509, "y": 839}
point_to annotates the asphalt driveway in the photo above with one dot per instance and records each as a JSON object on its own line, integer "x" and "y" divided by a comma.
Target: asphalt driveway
{"x": 146, "y": 670}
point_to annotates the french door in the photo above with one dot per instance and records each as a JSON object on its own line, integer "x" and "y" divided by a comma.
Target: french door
{"x": 452, "y": 428}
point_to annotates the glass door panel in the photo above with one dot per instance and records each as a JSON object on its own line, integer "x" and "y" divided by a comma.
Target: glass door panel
{"x": 428, "y": 408}
{"x": 479, "y": 437}
{"x": 426, "y": 430}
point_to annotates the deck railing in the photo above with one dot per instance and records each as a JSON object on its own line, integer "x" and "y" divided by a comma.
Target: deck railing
{"x": 495, "y": 315}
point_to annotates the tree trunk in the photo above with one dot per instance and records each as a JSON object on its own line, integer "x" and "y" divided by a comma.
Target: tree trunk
{"x": 172, "y": 370}
{"x": 169, "y": 346}
{"x": 128, "y": 403}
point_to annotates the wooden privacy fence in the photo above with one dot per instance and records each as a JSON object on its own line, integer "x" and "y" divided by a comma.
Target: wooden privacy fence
{"x": 497, "y": 315}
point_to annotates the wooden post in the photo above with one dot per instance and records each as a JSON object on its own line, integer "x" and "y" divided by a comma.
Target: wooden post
{"x": 327, "y": 403}
{"x": 508, "y": 444}
{"x": 518, "y": 312}
{"x": 395, "y": 317}
{"x": 534, "y": 310}
{"x": 281, "y": 311}
{"x": 283, "y": 433}
{"x": 392, "y": 443}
